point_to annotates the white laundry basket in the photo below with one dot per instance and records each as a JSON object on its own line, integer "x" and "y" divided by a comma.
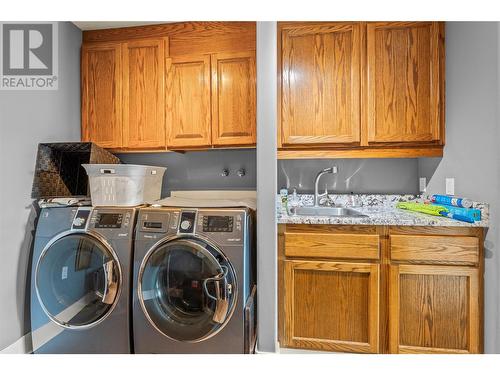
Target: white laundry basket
{"x": 124, "y": 184}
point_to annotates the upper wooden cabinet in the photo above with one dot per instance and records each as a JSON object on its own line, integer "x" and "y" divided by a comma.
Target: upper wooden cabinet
{"x": 233, "y": 98}
{"x": 356, "y": 89}
{"x": 405, "y": 82}
{"x": 102, "y": 94}
{"x": 144, "y": 93}
{"x": 320, "y": 83}
{"x": 188, "y": 101}
{"x": 211, "y": 100}
{"x": 123, "y": 94}
{"x": 176, "y": 86}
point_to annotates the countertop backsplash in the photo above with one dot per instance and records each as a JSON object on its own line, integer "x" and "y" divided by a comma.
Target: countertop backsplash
{"x": 365, "y": 176}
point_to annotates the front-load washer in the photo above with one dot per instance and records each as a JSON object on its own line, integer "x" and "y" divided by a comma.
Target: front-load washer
{"x": 80, "y": 280}
{"x": 194, "y": 281}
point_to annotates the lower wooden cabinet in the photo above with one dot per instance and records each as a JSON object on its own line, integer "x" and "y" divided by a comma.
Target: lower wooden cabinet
{"x": 422, "y": 294}
{"x": 433, "y": 309}
{"x": 331, "y": 306}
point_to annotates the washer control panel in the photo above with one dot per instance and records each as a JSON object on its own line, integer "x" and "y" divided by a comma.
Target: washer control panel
{"x": 81, "y": 218}
{"x": 187, "y": 222}
{"x": 109, "y": 220}
{"x": 113, "y": 222}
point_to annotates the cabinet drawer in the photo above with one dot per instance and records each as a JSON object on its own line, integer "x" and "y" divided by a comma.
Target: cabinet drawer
{"x": 440, "y": 249}
{"x": 329, "y": 245}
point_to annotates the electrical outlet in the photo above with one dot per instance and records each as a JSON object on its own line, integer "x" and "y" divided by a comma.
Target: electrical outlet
{"x": 422, "y": 184}
{"x": 450, "y": 186}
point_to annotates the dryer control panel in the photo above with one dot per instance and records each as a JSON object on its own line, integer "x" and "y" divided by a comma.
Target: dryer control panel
{"x": 225, "y": 226}
{"x": 218, "y": 223}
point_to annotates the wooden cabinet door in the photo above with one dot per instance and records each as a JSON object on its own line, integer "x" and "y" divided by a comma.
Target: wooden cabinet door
{"x": 188, "y": 102}
{"x": 233, "y": 99}
{"x": 405, "y": 91}
{"x": 331, "y": 306}
{"x": 144, "y": 93}
{"x": 320, "y": 83}
{"x": 433, "y": 309}
{"x": 102, "y": 94}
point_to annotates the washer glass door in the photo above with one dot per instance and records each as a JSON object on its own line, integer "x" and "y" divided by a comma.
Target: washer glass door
{"x": 187, "y": 289}
{"x": 77, "y": 280}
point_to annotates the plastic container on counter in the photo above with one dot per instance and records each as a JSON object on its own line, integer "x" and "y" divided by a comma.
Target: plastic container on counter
{"x": 124, "y": 184}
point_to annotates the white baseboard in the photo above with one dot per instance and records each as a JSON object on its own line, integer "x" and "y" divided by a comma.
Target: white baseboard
{"x": 276, "y": 349}
{"x": 21, "y": 346}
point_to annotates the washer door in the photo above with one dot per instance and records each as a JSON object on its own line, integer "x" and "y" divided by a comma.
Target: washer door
{"x": 77, "y": 280}
{"x": 187, "y": 289}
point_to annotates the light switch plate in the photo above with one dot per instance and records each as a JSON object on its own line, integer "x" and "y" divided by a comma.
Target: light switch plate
{"x": 422, "y": 184}
{"x": 450, "y": 186}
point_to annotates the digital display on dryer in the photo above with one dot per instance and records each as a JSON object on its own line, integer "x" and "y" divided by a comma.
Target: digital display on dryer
{"x": 217, "y": 224}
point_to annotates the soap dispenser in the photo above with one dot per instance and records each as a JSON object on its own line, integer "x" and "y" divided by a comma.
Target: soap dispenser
{"x": 293, "y": 202}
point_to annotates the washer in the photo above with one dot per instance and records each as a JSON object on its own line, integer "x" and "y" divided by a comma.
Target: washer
{"x": 194, "y": 281}
{"x": 80, "y": 280}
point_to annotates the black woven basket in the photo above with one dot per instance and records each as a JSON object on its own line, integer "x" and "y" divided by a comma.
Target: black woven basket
{"x": 59, "y": 171}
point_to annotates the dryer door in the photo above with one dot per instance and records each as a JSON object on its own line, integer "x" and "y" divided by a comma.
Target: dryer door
{"x": 78, "y": 280}
{"x": 187, "y": 289}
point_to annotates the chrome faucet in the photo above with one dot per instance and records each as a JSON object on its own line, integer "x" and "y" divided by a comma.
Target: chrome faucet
{"x": 318, "y": 196}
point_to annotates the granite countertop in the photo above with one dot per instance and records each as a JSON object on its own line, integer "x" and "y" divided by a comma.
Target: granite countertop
{"x": 379, "y": 210}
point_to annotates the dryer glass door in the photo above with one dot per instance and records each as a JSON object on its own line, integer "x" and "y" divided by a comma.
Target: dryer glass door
{"x": 77, "y": 280}
{"x": 187, "y": 289}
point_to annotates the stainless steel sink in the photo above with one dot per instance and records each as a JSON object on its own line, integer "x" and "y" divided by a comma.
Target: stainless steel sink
{"x": 327, "y": 211}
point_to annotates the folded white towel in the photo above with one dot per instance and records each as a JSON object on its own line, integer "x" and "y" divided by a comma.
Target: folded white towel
{"x": 206, "y": 203}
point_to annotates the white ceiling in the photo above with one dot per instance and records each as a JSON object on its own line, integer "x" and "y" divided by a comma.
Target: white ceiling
{"x": 97, "y": 25}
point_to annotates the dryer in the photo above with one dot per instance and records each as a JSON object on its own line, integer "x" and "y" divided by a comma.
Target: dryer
{"x": 194, "y": 281}
{"x": 80, "y": 280}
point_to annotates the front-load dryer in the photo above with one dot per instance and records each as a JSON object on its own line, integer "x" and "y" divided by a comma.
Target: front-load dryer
{"x": 194, "y": 273}
{"x": 80, "y": 280}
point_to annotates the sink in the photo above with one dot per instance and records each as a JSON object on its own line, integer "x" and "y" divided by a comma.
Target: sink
{"x": 327, "y": 211}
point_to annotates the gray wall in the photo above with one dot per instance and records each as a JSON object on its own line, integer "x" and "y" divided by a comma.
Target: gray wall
{"x": 472, "y": 152}
{"x": 27, "y": 118}
{"x": 398, "y": 176}
{"x": 200, "y": 170}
